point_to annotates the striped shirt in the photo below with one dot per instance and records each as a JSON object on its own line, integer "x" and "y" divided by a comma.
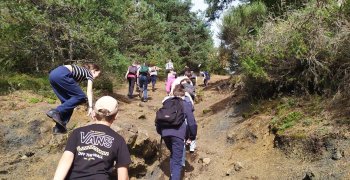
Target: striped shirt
{"x": 80, "y": 74}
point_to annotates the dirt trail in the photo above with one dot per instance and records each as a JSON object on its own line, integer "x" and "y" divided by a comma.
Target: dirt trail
{"x": 228, "y": 146}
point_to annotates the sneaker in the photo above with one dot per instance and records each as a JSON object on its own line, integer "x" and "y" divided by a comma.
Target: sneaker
{"x": 55, "y": 116}
{"x": 58, "y": 130}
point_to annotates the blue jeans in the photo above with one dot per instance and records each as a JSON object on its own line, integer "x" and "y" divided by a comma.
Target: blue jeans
{"x": 67, "y": 90}
{"x": 143, "y": 82}
{"x": 154, "y": 80}
{"x": 132, "y": 81}
{"x": 176, "y": 147}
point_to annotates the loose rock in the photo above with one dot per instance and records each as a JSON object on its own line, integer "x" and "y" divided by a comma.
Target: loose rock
{"x": 238, "y": 166}
{"x": 142, "y": 117}
{"x": 337, "y": 155}
{"x": 206, "y": 161}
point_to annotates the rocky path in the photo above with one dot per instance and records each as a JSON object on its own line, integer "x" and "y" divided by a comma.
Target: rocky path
{"x": 228, "y": 145}
{"x": 141, "y": 115}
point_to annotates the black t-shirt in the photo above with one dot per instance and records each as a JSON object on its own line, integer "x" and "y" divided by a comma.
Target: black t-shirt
{"x": 96, "y": 148}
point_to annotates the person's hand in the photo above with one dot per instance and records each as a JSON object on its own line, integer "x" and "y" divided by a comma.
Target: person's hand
{"x": 188, "y": 141}
{"x": 90, "y": 112}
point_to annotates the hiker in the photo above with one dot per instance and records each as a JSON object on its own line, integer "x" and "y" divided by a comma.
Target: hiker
{"x": 170, "y": 79}
{"x": 131, "y": 76}
{"x": 143, "y": 74}
{"x": 154, "y": 74}
{"x": 176, "y": 136}
{"x": 64, "y": 82}
{"x": 189, "y": 88}
{"x": 92, "y": 151}
{"x": 168, "y": 67}
{"x": 206, "y": 78}
{"x": 193, "y": 78}
{"x": 187, "y": 72}
{"x": 137, "y": 78}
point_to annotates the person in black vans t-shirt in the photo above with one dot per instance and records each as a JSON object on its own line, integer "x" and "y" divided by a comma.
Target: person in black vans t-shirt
{"x": 92, "y": 151}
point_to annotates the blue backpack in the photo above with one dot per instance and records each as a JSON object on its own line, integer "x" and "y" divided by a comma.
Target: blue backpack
{"x": 207, "y": 75}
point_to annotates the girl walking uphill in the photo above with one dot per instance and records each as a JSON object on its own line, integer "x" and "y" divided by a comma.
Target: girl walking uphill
{"x": 64, "y": 82}
{"x": 175, "y": 136}
{"x": 131, "y": 76}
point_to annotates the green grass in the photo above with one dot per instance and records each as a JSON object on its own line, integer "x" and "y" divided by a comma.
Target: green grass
{"x": 281, "y": 123}
{"x": 34, "y": 100}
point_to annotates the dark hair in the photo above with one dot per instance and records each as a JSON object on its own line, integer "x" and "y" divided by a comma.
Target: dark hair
{"x": 91, "y": 66}
{"x": 185, "y": 81}
{"x": 179, "y": 90}
{"x": 104, "y": 114}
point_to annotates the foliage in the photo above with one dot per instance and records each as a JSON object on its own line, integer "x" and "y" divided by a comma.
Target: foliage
{"x": 275, "y": 7}
{"x": 306, "y": 50}
{"x": 242, "y": 21}
{"x": 36, "y": 36}
{"x": 23, "y": 82}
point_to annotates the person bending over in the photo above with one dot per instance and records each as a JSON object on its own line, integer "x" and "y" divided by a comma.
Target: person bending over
{"x": 64, "y": 82}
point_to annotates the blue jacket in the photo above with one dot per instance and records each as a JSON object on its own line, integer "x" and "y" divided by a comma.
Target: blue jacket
{"x": 185, "y": 131}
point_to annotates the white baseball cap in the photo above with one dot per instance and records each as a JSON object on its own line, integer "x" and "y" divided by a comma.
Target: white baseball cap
{"x": 108, "y": 103}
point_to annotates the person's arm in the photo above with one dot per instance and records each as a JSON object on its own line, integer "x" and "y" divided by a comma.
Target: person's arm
{"x": 137, "y": 76}
{"x": 191, "y": 121}
{"x": 64, "y": 165}
{"x": 126, "y": 75}
{"x": 89, "y": 96}
{"x": 189, "y": 98}
{"x": 123, "y": 173}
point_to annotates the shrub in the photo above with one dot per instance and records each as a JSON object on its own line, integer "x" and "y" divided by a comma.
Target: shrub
{"x": 24, "y": 82}
{"x": 299, "y": 52}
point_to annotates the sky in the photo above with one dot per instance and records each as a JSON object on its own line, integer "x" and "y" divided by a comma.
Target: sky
{"x": 200, "y": 5}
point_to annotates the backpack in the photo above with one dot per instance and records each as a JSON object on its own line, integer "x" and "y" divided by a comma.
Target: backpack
{"x": 207, "y": 75}
{"x": 143, "y": 69}
{"x": 190, "y": 89}
{"x": 132, "y": 70}
{"x": 171, "y": 114}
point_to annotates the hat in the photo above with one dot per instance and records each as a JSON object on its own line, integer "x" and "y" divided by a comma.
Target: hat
{"x": 108, "y": 103}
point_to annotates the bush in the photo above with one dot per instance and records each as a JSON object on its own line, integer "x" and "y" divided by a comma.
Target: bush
{"x": 14, "y": 82}
{"x": 103, "y": 84}
{"x": 299, "y": 52}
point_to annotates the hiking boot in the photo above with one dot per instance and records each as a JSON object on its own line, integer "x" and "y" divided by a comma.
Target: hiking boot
{"x": 55, "y": 116}
{"x": 58, "y": 130}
